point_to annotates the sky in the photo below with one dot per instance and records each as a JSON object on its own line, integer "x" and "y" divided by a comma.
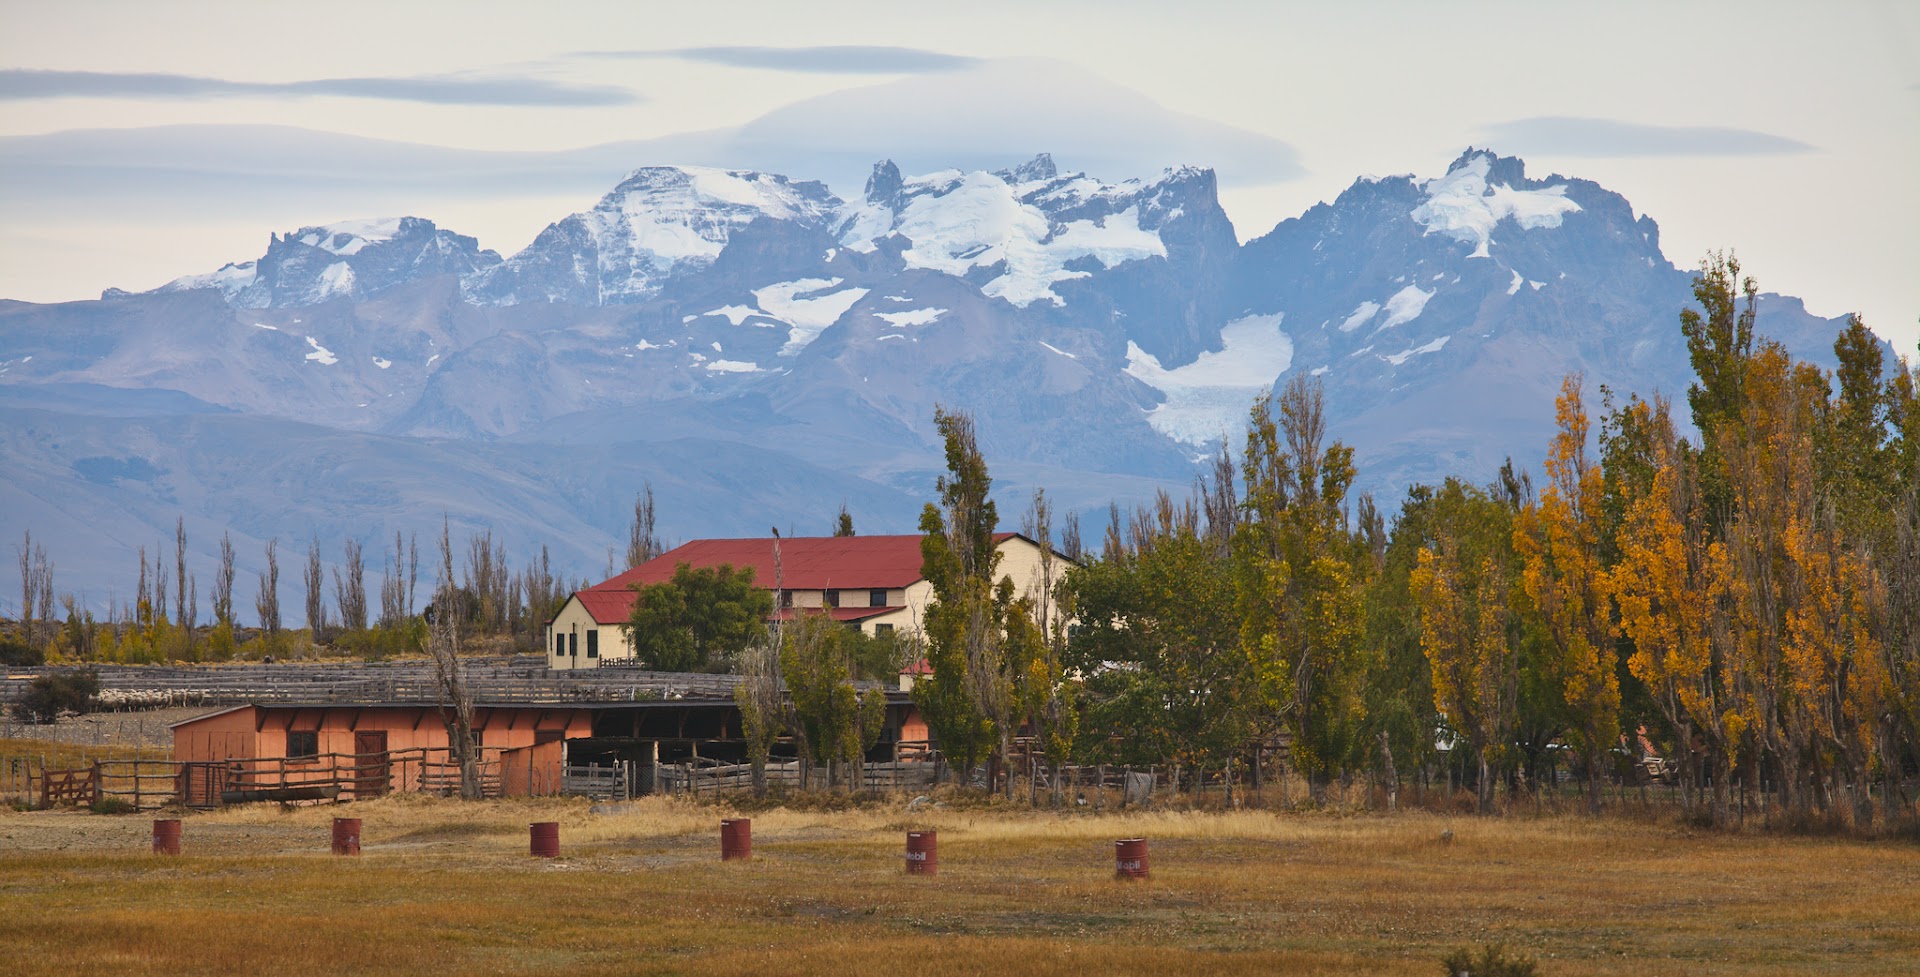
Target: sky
{"x": 140, "y": 141}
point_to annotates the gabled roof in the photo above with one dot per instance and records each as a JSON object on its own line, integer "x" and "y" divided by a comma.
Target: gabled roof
{"x": 806, "y": 562}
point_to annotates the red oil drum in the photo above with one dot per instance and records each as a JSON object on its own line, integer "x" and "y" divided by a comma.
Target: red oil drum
{"x": 544, "y": 839}
{"x": 346, "y": 836}
{"x": 736, "y": 838}
{"x": 923, "y": 853}
{"x": 166, "y": 836}
{"x": 1130, "y": 858}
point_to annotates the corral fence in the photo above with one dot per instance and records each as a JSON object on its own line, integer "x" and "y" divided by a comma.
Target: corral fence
{"x": 151, "y": 784}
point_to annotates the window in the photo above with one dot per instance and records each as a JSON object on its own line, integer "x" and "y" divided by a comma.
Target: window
{"x": 573, "y": 644}
{"x": 303, "y": 744}
{"x": 883, "y": 630}
{"x": 830, "y": 599}
{"x": 877, "y": 597}
{"x": 786, "y": 598}
{"x": 593, "y": 642}
{"x": 559, "y": 645}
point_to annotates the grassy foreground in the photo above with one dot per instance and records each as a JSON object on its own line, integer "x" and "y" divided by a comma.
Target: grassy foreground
{"x": 448, "y": 888}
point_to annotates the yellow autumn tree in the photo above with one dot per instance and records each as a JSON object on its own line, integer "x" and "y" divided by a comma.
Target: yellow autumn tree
{"x": 1835, "y": 674}
{"x": 1558, "y": 539}
{"x": 1666, "y": 586}
{"x": 1464, "y": 635}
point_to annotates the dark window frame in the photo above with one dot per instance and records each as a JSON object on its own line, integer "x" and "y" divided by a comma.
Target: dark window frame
{"x": 593, "y": 642}
{"x": 830, "y": 598}
{"x": 877, "y": 597}
{"x": 303, "y": 745}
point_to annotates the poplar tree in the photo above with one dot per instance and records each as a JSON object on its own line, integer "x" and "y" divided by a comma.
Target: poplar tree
{"x": 966, "y": 697}
{"x": 1297, "y": 590}
{"x": 1559, "y": 539}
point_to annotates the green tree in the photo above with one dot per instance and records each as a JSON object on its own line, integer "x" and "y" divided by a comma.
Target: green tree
{"x": 967, "y": 697}
{"x": 1298, "y": 586}
{"x": 1165, "y": 676}
{"x": 1719, "y": 343}
{"x": 699, "y": 619}
{"x": 843, "y": 523}
{"x": 835, "y": 722}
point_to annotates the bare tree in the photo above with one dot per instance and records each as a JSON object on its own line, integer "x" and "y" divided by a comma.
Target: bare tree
{"x": 267, "y": 602}
{"x": 223, "y": 583}
{"x": 443, "y": 645}
{"x": 180, "y": 571}
{"x": 1070, "y": 546}
{"x": 142, "y": 596}
{"x": 643, "y": 543}
{"x": 393, "y": 587}
{"x": 28, "y": 597}
{"x": 763, "y": 708}
{"x": 193, "y": 611}
{"x": 43, "y": 585}
{"x": 350, "y": 589}
{"x": 159, "y": 584}
{"x": 316, "y": 588}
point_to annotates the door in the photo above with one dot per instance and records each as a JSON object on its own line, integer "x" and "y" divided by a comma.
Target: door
{"x": 371, "y": 775}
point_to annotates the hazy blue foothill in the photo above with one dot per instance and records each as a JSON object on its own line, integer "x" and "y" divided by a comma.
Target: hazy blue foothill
{"x": 763, "y": 351}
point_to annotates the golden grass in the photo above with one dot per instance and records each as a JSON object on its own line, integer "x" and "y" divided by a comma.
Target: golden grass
{"x": 445, "y": 887}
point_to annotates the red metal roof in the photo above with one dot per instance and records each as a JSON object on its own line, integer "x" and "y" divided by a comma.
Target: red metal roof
{"x": 608, "y": 606}
{"x": 806, "y": 562}
{"x": 842, "y": 614}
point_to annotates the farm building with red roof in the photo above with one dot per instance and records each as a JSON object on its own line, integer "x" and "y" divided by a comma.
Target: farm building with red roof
{"x": 869, "y": 582}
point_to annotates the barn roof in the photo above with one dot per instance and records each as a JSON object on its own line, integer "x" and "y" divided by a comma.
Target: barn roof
{"x": 806, "y": 562}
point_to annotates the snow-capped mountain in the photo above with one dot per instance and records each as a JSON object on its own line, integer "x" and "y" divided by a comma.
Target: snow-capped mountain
{"x": 660, "y": 222}
{"x": 352, "y": 260}
{"x": 792, "y": 347}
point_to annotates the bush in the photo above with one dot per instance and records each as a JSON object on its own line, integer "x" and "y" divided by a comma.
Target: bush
{"x": 49, "y": 695}
{"x": 13, "y": 651}
{"x": 112, "y": 805}
{"x": 1492, "y": 962}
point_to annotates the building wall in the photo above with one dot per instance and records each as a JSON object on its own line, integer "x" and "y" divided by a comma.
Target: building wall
{"x": 219, "y": 736}
{"x": 573, "y": 624}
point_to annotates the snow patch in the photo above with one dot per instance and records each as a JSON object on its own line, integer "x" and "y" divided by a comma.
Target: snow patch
{"x": 382, "y": 364}
{"x": 1319, "y": 371}
{"x": 336, "y": 280}
{"x": 1462, "y": 206}
{"x": 323, "y": 355}
{"x": 1407, "y": 354}
{"x": 1057, "y": 349}
{"x": 732, "y": 366}
{"x": 1405, "y": 306}
{"x": 735, "y": 314}
{"x": 1537, "y": 285}
{"x": 911, "y": 317}
{"x": 891, "y": 335}
{"x": 1518, "y": 280}
{"x": 262, "y": 325}
{"x": 806, "y": 318}
{"x": 1361, "y": 313}
{"x": 1206, "y": 399}
{"x": 643, "y": 344}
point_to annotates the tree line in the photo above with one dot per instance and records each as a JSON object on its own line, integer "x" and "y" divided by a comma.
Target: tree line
{"x": 1741, "y": 601}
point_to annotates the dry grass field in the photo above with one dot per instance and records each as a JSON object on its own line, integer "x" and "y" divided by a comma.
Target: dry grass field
{"x": 445, "y": 887}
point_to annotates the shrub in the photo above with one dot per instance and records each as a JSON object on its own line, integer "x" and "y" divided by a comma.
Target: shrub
{"x": 112, "y": 805}
{"x": 13, "y": 651}
{"x": 1492, "y": 962}
{"x": 49, "y": 695}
